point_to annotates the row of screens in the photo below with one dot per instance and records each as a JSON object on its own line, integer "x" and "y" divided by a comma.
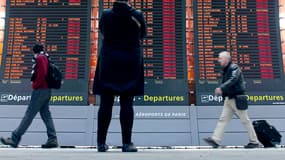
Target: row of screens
{"x": 63, "y": 26}
{"x": 243, "y": 27}
{"x": 248, "y": 29}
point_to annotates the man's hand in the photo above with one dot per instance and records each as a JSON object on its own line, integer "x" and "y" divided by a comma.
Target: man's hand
{"x": 218, "y": 91}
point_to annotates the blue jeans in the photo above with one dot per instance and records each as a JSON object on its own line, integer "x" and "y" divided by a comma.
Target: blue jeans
{"x": 39, "y": 103}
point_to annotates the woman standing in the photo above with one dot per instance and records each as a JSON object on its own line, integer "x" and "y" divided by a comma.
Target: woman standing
{"x": 119, "y": 70}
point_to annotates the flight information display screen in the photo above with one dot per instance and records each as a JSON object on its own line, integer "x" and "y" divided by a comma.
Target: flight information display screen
{"x": 249, "y": 29}
{"x": 63, "y": 27}
{"x": 164, "y": 51}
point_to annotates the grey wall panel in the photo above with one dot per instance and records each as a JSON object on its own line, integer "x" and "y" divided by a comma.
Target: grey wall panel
{"x": 158, "y": 112}
{"x": 61, "y": 125}
{"x": 208, "y": 111}
{"x": 11, "y": 111}
{"x": 64, "y": 139}
{"x": 152, "y": 125}
{"x": 34, "y": 138}
{"x": 8, "y": 125}
{"x": 18, "y": 111}
{"x": 162, "y": 112}
{"x": 152, "y": 139}
{"x": 167, "y": 125}
{"x": 208, "y": 125}
{"x": 255, "y": 111}
{"x": 74, "y": 124}
{"x": 235, "y": 133}
{"x": 74, "y": 139}
{"x": 267, "y": 111}
{"x": 194, "y": 126}
{"x": 170, "y": 125}
{"x": 70, "y": 125}
{"x": 71, "y": 111}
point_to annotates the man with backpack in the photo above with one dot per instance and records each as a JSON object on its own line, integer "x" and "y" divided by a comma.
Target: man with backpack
{"x": 39, "y": 102}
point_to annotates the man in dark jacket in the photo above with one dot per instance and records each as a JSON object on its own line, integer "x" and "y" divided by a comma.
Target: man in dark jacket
{"x": 119, "y": 69}
{"x": 232, "y": 84}
{"x": 39, "y": 103}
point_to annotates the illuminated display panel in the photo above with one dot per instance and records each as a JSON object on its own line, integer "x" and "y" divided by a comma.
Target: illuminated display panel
{"x": 248, "y": 29}
{"x": 282, "y": 28}
{"x": 2, "y": 26}
{"x": 62, "y": 26}
{"x": 164, "y": 51}
{"x": 93, "y": 49}
{"x": 190, "y": 51}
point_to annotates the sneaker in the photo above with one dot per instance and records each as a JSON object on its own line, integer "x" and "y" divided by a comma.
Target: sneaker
{"x": 102, "y": 147}
{"x": 9, "y": 141}
{"x": 211, "y": 142}
{"x": 129, "y": 148}
{"x": 52, "y": 144}
{"x": 252, "y": 145}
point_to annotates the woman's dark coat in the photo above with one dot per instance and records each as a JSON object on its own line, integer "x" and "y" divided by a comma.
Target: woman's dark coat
{"x": 120, "y": 62}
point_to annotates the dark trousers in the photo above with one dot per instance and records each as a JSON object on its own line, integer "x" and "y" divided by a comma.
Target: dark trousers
{"x": 105, "y": 115}
{"x": 39, "y": 103}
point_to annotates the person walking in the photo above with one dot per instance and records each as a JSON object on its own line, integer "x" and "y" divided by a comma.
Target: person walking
{"x": 119, "y": 69}
{"x": 232, "y": 84}
{"x": 39, "y": 103}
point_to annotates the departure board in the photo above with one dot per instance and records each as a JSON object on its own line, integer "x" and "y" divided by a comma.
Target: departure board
{"x": 164, "y": 51}
{"x": 63, "y": 27}
{"x": 249, "y": 29}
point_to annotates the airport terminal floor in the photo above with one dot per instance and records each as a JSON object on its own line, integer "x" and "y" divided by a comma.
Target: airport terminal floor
{"x": 145, "y": 153}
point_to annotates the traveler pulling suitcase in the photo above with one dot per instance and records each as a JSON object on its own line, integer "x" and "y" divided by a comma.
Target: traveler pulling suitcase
{"x": 266, "y": 133}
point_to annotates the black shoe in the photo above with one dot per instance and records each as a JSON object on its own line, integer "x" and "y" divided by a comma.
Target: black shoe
{"x": 52, "y": 144}
{"x": 102, "y": 147}
{"x": 129, "y": 148}
{"x": 211, "y": 142}
{"x": 9, "y": 141}
{"x": 252, "y": 145}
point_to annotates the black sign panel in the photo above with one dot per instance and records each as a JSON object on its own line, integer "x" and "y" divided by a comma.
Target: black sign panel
{"x": 63, "y": 27}
{"x": 164, "y": 51}
{"x": 249, "y": 29}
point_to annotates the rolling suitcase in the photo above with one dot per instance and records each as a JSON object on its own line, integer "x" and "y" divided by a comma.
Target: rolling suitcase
{"x": 266, "y": 133}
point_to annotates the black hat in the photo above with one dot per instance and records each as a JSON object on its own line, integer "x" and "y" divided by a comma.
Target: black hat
{"x": 38, "y": 48}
